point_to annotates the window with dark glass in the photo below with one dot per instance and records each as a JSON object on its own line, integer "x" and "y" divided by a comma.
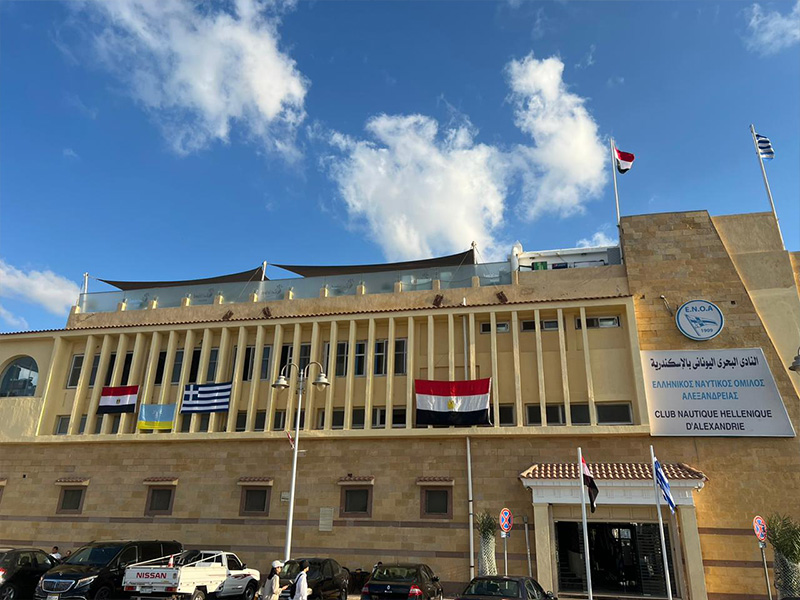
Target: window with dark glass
{"x": 266, "y": 353}
{"x": 287, "y": 354}
{"x": 506, "y": 415}
{"x": 82, "y": 424}
{"x": 241, "y": 420}
{"x": 186, "y": 423}
{"x": 75, "y": 371}
{"x": 302, "y": 419}
{"x": 361, "y": 358}
{"x": 378, "y": 417}
{"x": 261, "y": 420}
{"x": 279, "y": 422}
{"x": 126, "y": 368}
{"x": 213, "y": 360}
{"x": 341, "y": 358}
{"x": 337, "y": 418}
{"x": 436, "y": 502}
{"x": 358, "y": 418}
{"x": 115, "y": 421}
{"x": 305, "y": 356}
{"x": 62, "y": 425}
{"x": 255, "y": 501}
{"x": 159, "y": 500}
{"x": 614, "y": 414}
{"x": 400, "y": 356}
{"x": 205, "y": 420}
{"x": 194, "y": 368}
{"x": 579, "y": 414}
{"x": 398, "y": 417}
{"x": 177, "y": 366}
{"x": 356, "y": 501}
{"x": 71, "y": 500}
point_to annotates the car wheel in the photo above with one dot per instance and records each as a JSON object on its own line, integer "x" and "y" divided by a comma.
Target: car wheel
{"x": 8, "y": 592}
{"x": 249, "y": 592}
{"x": 104, "y": 593}
{"x": 199, "y": 595}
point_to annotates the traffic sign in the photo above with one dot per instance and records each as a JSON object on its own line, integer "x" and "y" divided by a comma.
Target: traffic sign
{"x": 760, "y": 528}
{"x": 506, "y": 520}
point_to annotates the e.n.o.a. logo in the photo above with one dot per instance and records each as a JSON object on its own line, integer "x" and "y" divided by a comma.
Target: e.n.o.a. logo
{"x": 699, "y": 320}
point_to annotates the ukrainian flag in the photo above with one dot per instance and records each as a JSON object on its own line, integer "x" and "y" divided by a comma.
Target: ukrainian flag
{"x": 156, "y": 416}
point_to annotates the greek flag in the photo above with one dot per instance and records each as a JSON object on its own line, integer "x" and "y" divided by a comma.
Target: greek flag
{"x": 765, "y": 149}
{"x": 206, "y": 397}
{"x": 663, "y": 483}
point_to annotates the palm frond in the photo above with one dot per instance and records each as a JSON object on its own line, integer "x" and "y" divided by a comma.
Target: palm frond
{"x": 784, "y": 535}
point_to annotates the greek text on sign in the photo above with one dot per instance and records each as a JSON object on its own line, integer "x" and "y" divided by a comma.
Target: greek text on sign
{"x": 699, "y": 320}
{"x": 760, "y": 527}
{"x": 506, "y": 520}
{"x": 713, "y": 393}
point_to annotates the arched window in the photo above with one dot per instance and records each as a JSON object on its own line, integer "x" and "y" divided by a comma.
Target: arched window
{"x": 19, "y": 378}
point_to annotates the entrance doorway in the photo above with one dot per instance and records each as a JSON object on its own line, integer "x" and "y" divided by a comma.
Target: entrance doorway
{"x": 625, "y": 559}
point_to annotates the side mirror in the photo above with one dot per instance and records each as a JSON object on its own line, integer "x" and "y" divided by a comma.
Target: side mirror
{"x": 244, "y": 565}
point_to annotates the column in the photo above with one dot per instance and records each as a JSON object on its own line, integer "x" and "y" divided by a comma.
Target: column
{"x": 495, "y": 378}
{"x": 277, "y": 343}
{"x": 541, "y": 530}
{"x": 57, "y": 369}
{"x": 411, "y": 375}
{"x": 221, "y": 375}
{"x": 588, "y": 364}
{"x": 518, "y": 409}
{"x": 169, "y": 365}
{"x": 431, "y": 362}
{"x": 202, "y": 373}
{"x": 540, "y": 366}
{"x": 116, "y": 375}
{"x": 186, "y": 368}
{"x": 692, "y": 553}
{"x": 562, "y": 349}
{"x": 83, "y": 385}
{"x": 129, "y": 420}
{"x": 348, "y": 399}
{"x": 369, "y": 359}
{"x": 255, "y": 381}
{"x": 334, "y": 340}
{"x": 311, "y": 390}
{"x": 451, "y": 348}
{"x": 238, "y": 377}
{"x": 100, "y": 377}
{"x": 473, "y": 368}
{"x": 150, "y": 375}
{"x": 636, "y": 363}
{"x": 293, "y": 376}
{"x": 390, "y": 373}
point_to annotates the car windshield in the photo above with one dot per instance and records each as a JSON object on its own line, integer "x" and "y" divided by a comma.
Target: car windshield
{"x": 292, "y": 569}
{"x": 502, "y": 588}
{"x": 396, "y": 573}
{"x": 96, "y": 556}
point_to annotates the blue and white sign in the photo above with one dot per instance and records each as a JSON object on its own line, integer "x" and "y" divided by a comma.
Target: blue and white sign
{"x": 699, "y": 320}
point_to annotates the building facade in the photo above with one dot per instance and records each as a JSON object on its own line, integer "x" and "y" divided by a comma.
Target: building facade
{"x": 564, "y": 346}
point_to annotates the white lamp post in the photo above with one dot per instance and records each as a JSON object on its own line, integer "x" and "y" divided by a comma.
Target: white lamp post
{"x": 281, "y": 384}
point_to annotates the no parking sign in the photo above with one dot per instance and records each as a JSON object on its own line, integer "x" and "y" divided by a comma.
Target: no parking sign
{"x": 506, "y": 520}
{"x": 760, "y": 528}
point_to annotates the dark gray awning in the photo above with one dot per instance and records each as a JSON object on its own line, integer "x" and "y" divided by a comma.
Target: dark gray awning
{"x": 453, "y": 260}
{"x": 243, "y": 277}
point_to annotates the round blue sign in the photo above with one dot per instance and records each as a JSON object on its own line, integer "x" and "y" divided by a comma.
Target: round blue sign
{"x": 699, "y": 320}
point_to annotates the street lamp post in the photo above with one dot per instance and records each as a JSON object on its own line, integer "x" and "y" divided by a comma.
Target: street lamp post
{"x": 281, "y": 384}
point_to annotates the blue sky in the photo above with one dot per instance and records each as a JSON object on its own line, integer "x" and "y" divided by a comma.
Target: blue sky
{"x": 156, "y": 140}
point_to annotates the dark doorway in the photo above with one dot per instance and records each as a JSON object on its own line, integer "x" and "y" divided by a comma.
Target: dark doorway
{"x": 625, "y": 559}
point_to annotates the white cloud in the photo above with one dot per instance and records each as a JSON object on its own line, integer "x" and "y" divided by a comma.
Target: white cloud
{"x": 13, "y": 320}
{"x": 565, "y": 167}
{"x": 54, "y": 293}
{"x": 75, "y": 101}
{"x": 615, "y": 81}
{"x": 200, "y": 69}
{"x": 769, "y": 32}
{"x": 599, "y": 238}
{"x": 539, "y": 24}
{"x": 421, "y": 192}
{"x": 69, "y": 153}
{"x": 588, "y": 60}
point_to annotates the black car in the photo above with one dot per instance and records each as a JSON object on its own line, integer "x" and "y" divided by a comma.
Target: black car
{"x": 327, "y": 579}
{"x": 20, "y": 570}
{"x": 94, "y": 571}
{"x": 494, "y": 587}
{"x": 401, "y": 582}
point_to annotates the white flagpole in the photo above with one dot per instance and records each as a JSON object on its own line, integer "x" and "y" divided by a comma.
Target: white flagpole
{"x": 660, "y": 524}
{"x": 614, "y": 175}
{"x": 766, "y": 183}
{"x": 585, "y": 528}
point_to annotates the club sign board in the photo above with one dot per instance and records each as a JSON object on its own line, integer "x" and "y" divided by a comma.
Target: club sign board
{"x": 727, "y": 393}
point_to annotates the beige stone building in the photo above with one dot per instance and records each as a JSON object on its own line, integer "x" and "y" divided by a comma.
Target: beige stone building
{"x": 568, "y": 339}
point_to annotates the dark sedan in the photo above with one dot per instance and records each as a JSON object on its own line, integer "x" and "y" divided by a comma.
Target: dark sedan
{"x": 327, "y": 579}
{"x": 495, "y": 587}
{"x": 402, "y": 582}
{"x": 20, "y": 570}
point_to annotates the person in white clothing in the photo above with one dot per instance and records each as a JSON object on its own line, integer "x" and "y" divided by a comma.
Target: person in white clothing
{"x": 55, "y": 553}
{"x": 301, "y": 589}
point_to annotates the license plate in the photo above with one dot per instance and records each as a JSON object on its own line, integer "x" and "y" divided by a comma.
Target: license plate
{"x": 52, "y": 597}
{"x": 146, "y": 589}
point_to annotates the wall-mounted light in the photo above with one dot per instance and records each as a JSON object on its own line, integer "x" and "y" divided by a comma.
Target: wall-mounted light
{"x": 437, "y": 301}
{"x": 795, "y": 366}
{"x": 502, "y": 297}
{"x": 227, "y": 316}
{"x": 266, "y": 312}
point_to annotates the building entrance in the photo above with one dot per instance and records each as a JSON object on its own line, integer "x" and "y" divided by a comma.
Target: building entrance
{"x": 625, "y": 559}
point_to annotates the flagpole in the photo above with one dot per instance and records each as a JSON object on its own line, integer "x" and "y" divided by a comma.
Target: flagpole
{"x": 585, "y": 528}
{"x": 766, "y": 183}
{"x": 614, "y": 174}
{"x": 660, "y": 524}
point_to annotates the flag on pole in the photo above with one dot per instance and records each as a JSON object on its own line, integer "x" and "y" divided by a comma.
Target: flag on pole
{"x": 663, "y": 483}
{"x": 765, "y": 149}
{"x": 120, "y": 399}
{"x": 156, "y": 416}
{"x": 206, "y": 397}
{"x": 591, "y": 486}
{"x": 453, "y": 402}
{"x": 291, "y": 439}
{"x": 624, "y": 160}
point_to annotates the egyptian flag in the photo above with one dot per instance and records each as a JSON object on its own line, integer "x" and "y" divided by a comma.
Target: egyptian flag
{"x": 588, "y": 481}
{"x": 624, "y": 160}
{"x": 118, "y": 399}
{"x": 462, "y": 403}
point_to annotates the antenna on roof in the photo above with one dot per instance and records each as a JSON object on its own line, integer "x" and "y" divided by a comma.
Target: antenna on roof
{"x": 263, "y": 270}
{"x": 474, "y": 252}
{"x": 85, "y": 283}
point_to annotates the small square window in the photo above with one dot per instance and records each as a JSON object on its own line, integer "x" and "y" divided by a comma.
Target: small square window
{"x": 507, "y": 415}
{"x": 261, "y": 420}
{"x": 159, "y": 500}
{"x": 579, "y": 414}
{"x": 71, "y": 500}
{"x": 534, "y": 414}
{"x": 62, "y": 425}
{"x": 356, "y": 501}
{"x": 338, "y": 418}
{"x": 555, "y": 414}
{"x": 279, "y": 422}
{"x": 358, "y": 418}
{"x": 528, "y": 325}
{"x": 398, "y": 417}
{"x": 255, "y": 501}
{"x": 436, "y": 503}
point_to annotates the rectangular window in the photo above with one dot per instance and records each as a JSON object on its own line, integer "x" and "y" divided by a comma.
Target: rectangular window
{"x": 194, "y": 368}
{"x": 358, "y": 418}
{"x": 502, "y": 327}
{"x": 507, "y": 415}
{"x": 579, "y": 414}
{"x": 287, "y": 354}
{"x": 98, "y": 424}
{"x": 361, "y": 359}
{"x": 177, "y": 367}
{"x": 528, "y": 325}
{"x": 555, "y": 414}
{"x": 95, "y": 367}
{"x": 549, "y": 324}
{"x": 356, "y": 501}
{"x": 378, "y": 417}
{"x": 598, "y": 322}
{"x": 241, "y": 420}
{"x": 126, "y": 368}
{"x": 203, "y": 425}
{"x": 400, "y": 356}
{"x": 614, "y": 414}
{"x": 342, "y": 351}
{"x": 398, "y": 417}
{"x": 305, "y": 356}
{"x": 159, "y": 500}
{"x": 75, "y": 371}
{"x": 115, "y": 421}
{"x": 337, "y": 418}
{"x": 436, "y": 503}
{"x": 533, "y": 414}
{"x": 380, "y": 357}
{"x": 265, "y": 356}
{"x": 110, "y": 370}
{"x": 302, "y": 419}
{"x": 279, "y": 422}
{"x": 213, "y": 360}
{"x": 62, "y": 425}
{"x": 255, "y": 501}
{"x": 186, "y": 423}
{"x": 70, "y": 500}
{"x": 261, "y": 420}
{"x": 249, "y": 355}
{"x": 82, "y": 424}
{"x": 162, "y": 361}
{"x": 321, "y": 418}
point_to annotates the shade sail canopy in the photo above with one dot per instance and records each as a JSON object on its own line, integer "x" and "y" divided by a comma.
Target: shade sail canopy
{"x": 453, "y": 260}
{"x": 243, "y": 277}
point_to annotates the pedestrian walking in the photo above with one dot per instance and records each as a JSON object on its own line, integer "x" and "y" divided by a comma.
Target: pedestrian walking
{"x": 272, "y": 586}
{"x": 301, "y": 589}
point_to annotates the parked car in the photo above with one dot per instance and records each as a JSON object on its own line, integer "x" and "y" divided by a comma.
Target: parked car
{"x": 20, "y": 571}
{"x": 492, "y": 587}
{"x": 327, "y": 579}
{"x": 402, "y": 581}
{"x": 95, "y": 571}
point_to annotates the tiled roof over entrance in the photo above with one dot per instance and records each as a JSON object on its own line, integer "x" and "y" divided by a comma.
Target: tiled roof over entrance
{"x": 615, "y": 471}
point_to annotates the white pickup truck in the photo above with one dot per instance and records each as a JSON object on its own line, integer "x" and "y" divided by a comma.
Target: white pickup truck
{"x": 192, "y": 574}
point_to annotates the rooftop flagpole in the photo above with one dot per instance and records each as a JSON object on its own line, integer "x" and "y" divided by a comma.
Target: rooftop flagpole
{"x": 614, "y": 174}
{"x": 766, "y": 183}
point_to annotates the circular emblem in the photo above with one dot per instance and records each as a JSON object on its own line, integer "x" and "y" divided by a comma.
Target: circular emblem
{"x": 506, "y": 520}
{"x": 699, "y": 320}
{"x": 760, "y": 527}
